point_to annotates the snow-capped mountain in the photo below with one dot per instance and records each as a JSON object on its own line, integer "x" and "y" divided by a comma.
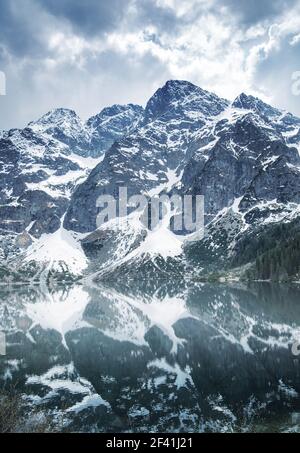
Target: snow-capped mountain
{"x": 41, "y": 165}
{"x": 243, "y": 156}
{"x": 91, "y": 138}
{"x": 153, "y": 157}
{"x": 65, "y": 126}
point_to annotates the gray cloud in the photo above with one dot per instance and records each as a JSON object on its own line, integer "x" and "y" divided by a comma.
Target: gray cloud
{"x": 274, "y": 75}
{"x": 21, "y": 27}
{"x": 92, "y": 17}
{"x": 88, "y": 54}
{"x": 151, "y": 13}
{"x": 250, "y": 12}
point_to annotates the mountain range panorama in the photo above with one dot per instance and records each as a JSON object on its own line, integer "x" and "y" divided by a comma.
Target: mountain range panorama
{"x": 243, "y": 156}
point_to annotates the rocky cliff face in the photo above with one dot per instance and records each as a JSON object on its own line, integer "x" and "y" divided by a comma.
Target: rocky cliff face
{"x": 153, "y": 157}
{"x": 42, "y": 164}
{"x": 113, "y": 123}
{"x": 242, "y": 156}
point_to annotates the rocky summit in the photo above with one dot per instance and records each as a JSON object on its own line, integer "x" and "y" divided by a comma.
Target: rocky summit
{"x": 242, "y": 156}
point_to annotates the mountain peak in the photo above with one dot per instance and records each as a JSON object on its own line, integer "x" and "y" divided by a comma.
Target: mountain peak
{"x": 115, "y": 110}
{"x": 180, "y": 95}
{"x": 113, "y": 115}
{"x": 249, "y": 102}
{"x": 176, "y": 84}
{"x": 56, "y": 117}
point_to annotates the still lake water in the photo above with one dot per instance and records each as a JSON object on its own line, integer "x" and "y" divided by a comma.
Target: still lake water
{"x": 174, "y": 358}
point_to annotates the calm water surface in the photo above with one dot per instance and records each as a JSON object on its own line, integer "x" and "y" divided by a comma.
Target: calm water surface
{"x": 174, "y": 358}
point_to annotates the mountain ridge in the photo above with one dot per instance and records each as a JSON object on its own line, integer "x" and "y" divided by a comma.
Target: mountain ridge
{"x": 243, "y": 156}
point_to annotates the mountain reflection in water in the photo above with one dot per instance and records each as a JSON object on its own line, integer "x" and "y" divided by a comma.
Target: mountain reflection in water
{"x": 177, "y": 358}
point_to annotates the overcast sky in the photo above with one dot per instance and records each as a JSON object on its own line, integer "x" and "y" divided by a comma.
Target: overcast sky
{"x": 89, "y": 54}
